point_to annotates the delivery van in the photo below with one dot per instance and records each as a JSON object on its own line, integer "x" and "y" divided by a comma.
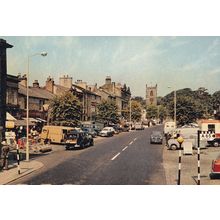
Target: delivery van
{"x": 55, "y": 134}
{"x": 169, "y": 126}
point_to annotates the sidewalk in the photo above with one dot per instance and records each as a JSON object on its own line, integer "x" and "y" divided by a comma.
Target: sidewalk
{"x": 7, "y": 176}
{"x": 189, "y": 166}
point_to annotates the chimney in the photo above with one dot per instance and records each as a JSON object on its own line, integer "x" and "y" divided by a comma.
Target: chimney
{"x": 108, "y": 80}
{"x": 82, "y": 84}
{"x": 36, "y": 84}
{"x": 50, "y": 85}
{"x": 23, "y": 81}
{"x": 113, "y": 87}
{"x": 66, "y": 81}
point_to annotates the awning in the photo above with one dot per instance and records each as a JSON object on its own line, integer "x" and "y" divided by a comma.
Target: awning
{"x": 9, "y": 117}
{"x": 41, "y": 120}
{"x": 23, "y": 123}
{"x": 31, "y": 119}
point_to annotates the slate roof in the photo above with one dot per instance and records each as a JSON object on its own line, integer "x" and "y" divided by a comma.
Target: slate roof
{"x": 35, "y": 92}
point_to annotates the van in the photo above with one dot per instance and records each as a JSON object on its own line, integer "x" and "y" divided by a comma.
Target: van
{"x": 169, "y": 126}
{"x": 55, "y": 134}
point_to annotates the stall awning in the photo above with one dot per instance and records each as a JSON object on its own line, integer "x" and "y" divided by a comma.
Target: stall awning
{"x": 9, "y": 117}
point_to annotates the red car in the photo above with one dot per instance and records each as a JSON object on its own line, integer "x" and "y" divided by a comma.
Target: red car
{"x": 215, "y": 172}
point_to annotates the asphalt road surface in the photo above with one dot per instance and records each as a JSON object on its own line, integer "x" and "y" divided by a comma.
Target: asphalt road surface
{"x": 125, "y": 159}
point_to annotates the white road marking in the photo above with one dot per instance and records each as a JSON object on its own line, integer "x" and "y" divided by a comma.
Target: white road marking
{"x": 131, "y": 142}
{"x": 135, "y": 139}
{"x": 124, "y": 148}
{"x": 115, "y": 156}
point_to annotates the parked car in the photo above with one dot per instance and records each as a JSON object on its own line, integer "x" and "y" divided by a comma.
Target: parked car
{"x": 78, "y": 139}
{"x": 107, "y": 132}
{"x": 139, "y": 126}
{"x": 215, "y": 170}
{"x": 117, "y": 129}
{"x": 156, "y": 137}
{"x": 214, "y": 142}
{"x": 90, "y": 131}
{"x": 125, "y": 128}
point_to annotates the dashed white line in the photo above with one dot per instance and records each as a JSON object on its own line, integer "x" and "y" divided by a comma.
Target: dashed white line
{"x": 115, "y": 156}
{"x": 131, "y": 142}
{"x": 135, "y": 139}
{"x": 124, "y": 148}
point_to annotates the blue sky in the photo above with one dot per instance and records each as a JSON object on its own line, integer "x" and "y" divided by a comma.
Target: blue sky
{"x": 182, "y": 62}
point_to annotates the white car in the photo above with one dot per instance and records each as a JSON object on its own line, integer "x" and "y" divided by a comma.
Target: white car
{"x": 107, "y": 132}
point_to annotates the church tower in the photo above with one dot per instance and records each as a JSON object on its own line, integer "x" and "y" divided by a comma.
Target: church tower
{"x": 151, "y": 95}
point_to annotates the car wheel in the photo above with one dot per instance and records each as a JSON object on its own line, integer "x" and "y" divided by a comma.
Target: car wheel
{"x": 216, "y": 144}
{"x": 91, "y": 143}
{"x": 173, "y": 147}
{"x": 67, "y": 147}
{"x": 211, "y": 176}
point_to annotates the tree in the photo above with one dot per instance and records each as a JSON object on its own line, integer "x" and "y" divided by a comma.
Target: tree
{"x": 216, "y": 104}
{"x": 136, "y": 111}
{"x": 140, "y": 100}
{"x": 162, "y": 112}
{"x": 108, "y": 112}
{"x": 66, "y": 110}
{"x": 151, "y": 112}
{"x": 191, "y": 105}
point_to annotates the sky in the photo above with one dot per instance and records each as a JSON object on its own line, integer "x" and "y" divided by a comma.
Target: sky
{"x": 176, "y": 62}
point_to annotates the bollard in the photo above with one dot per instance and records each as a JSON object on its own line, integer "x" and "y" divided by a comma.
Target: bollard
{"x": 18, "y": 159}
{"x": 180, "y": 141}
{"x": 198, "y": 153}
{"x": 179, "y": 170}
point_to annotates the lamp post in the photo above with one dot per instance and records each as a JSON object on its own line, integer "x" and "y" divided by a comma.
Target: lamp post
{"x": 130, "y": 112}
{"x": 174, "y": 116}
{"x": 27, "y": 109}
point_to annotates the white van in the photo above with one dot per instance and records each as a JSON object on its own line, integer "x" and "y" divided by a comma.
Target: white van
{"x": 169, "y": 126}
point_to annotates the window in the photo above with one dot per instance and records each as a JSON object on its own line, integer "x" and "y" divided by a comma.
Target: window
{"x": 211, "y": 127}
{"x": 151, "y": 93}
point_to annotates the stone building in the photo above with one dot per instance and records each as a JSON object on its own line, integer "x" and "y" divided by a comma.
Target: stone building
{"x": 151, "y": 95}
{"x": 12, "y": 105}
{"x": 3, "y": 83}
{"x": 115, "y": 91}
{"x": 38, "y": 97}
{"x": 87, "y": 97}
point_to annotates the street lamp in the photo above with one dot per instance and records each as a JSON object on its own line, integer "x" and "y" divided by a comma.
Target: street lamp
{"x": 27, "y": 109}
{"x": 174, "y": 117}
{"x": 130, "y": 112}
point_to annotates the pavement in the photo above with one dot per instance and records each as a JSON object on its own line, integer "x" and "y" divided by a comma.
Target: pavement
{"x": 189, "y": 166}
{"x": 26, "y": 167}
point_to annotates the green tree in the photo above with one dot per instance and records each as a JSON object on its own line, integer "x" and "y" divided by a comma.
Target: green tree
{"x": 151, "y": 111}
{"x": 108, "y": 112}
{"x": 190, "y": 105}
{"x": 162, "y": 112}
{"x": 66, "y": 110}
{"x": 136, "y": 111}
{"x": 140, "y": 100}
{"x": 216, "y": 104}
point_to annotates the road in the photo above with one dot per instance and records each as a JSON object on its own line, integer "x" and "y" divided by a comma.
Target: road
{"x": 125, "y": 159}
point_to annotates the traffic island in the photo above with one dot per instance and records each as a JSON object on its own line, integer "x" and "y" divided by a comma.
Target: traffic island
{"x": 189, "y": 171}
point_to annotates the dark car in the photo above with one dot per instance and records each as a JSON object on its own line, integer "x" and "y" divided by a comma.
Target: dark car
{"x": 90, "y": 131}
{"x": 126, "y": 128}
{"x": 214, "y": 143}
{"x": 78, "y": 139}
{"x": 156, "y": 137}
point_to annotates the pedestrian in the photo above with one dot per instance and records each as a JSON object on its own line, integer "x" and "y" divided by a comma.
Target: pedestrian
{"x": 4, "y": 156}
